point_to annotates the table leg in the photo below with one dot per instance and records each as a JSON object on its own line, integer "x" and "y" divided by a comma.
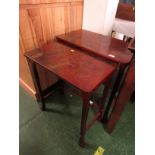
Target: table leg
{"x": 36, "y": 81}
{"x": 123, "y": 97}
{"x": 132, "y": 98}
{"x": 119, "y": 106}
{"x": 102, "y": 101}
{"x": 61, "y": 90}
{"x": 114, "y": 90}
{"x": 85, "y": 110}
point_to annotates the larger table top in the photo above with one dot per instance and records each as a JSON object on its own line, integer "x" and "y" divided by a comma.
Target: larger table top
{"x": 104, "y": 46}
{"x": 74, "y": 66}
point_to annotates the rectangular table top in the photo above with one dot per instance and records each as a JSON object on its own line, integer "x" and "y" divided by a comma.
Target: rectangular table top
{"x": 103, "y": 46}
{"x": 74, "y": 66}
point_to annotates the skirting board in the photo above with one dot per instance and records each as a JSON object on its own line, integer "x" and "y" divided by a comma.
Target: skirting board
{"x": 27, "y": 88}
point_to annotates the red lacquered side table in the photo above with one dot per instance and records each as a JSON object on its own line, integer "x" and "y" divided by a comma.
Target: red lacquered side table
{"x": 73, "y": 67}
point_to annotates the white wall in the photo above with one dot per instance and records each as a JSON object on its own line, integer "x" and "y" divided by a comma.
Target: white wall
{"x": 99, "y": 15}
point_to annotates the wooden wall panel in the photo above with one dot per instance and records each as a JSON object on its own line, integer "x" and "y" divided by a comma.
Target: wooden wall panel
{"x": 47, "y": 24}
{"x": 24, "y": 71}
{"x": 76, "y": 15}
{"x": 46, "y": 1}
{"x": 25, "y": 29}
{"x": 39, "y": 22}
{"x": 59, "y": 20}
{"x": 35, "y": 17}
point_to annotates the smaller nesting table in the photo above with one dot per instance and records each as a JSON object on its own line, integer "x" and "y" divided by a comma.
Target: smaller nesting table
{"x": 73, "y": 67}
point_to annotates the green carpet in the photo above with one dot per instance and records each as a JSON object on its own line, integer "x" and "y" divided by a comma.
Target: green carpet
{"x": 56, "y": 131}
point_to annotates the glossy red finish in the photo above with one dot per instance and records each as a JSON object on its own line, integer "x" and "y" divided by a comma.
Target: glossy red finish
{"x": 72, "y": 65}
{"x": 104, "y": 46}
